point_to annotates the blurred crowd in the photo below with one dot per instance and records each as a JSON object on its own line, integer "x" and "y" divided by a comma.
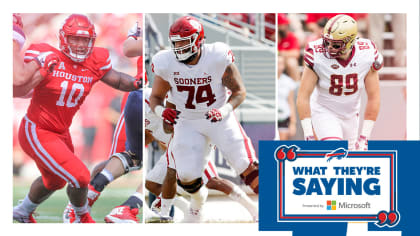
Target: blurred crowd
{"x": 94, "y": 124}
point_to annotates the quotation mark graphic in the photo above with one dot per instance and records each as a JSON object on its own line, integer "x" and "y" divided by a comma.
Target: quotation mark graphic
{"x": 388, "y": 218}
{"x": 285, "y": 152}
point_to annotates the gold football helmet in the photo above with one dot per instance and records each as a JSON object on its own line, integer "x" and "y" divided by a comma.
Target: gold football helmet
{"x": 339, "y": 35}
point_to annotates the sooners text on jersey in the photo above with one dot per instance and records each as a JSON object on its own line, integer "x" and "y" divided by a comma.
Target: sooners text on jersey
{"x": 195, "y": 89}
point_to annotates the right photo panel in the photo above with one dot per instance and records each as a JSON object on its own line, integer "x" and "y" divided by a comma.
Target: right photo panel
{"x": 341, "y": 76}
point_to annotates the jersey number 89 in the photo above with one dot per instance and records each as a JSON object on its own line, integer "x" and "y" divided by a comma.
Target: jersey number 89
{"x": 343, "y": 85}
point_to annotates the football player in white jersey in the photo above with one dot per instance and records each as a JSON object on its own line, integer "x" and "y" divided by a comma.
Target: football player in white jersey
{"x": 155, "y": 177}
{"x": 196, "y": 75}
{"x": 337, "y": 67}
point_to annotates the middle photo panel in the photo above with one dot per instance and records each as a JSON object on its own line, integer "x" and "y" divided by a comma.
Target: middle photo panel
{"x": 209, "y": 99}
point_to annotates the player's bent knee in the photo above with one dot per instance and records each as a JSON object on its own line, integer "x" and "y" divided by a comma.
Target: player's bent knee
{"x": 55, "y": 185}
{"x": 250, "y": 176}
{"x": 128, "y": 160}
{"x": 83, "y": 178}
{"x": 153, "y": 187}
{"x": 193, "y": 186}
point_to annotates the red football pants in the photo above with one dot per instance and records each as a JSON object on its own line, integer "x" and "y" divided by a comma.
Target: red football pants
{"x": 53, "y": 154}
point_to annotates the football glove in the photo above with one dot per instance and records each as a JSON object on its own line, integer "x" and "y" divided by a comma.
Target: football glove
{"x": 215, "y": 115}
{"x": 362, "y": 143}
{"x": 168, "y": 115}
{"x": 47, "y": 62}
{"x": 134, "y": 31}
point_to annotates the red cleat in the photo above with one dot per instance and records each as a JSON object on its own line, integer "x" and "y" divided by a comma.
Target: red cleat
{"x": 122, "y": 214}
{"x": 85, "y": 218}
{"x": 92, "y": 196}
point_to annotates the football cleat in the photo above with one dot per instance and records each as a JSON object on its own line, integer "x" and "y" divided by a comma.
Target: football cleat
{"x": 66, "y": 213}
{"x": 85, "y": 218}
{"x": 21, "y": 217}
{"x": 193, "y": 216}
{"x": 92, "y": 195}
{"x": 122, "y": 214}
{"x": 156, "y": 205}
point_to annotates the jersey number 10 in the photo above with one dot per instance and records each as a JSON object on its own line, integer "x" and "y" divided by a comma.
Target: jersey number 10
{"x": 69, "y": 102}
{"x": 341, "y": 85}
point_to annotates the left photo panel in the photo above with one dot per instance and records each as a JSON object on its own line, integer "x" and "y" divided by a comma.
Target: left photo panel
{"x": 78, "y": 118}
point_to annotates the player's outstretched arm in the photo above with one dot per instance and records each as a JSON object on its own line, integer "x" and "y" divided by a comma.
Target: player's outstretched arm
{"x": 233, "y": 81}
{"x": 133, "y": 45}
{"x": 22, "y": 73}
{"x": 25, "y": 89}
{"x": 121, "y": 81}
{"x": 373, "y": 95}
{"x": 307, "y": 86}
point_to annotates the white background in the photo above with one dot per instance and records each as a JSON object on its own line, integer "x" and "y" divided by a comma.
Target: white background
{"x": 166, "y": 6}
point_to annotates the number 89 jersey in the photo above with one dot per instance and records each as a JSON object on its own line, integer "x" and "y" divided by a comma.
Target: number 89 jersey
{"x": 340, "y": 81}
{"x": 195, "y": 89}
{"x": 58, "y": 97}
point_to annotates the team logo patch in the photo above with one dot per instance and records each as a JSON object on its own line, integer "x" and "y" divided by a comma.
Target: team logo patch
{"x": 335, "y": 66}
{"x": 336, "y": 185}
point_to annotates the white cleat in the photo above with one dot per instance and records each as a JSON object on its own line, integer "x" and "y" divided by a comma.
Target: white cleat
{"x": 22, "y": 217}
{"x": 193, "y": 216}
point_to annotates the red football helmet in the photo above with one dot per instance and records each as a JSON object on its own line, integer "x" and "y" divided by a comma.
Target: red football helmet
{"x": 186, "y": 28}
{"x": 80, "y": 26}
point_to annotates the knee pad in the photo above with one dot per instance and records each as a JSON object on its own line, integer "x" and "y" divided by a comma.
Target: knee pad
{"x": 128, "y": 160}
{"x": 193, "y": 187}
{"x": 251, "y": 177}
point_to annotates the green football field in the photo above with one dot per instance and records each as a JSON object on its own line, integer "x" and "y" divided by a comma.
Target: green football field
{"x": 51, "y": 210}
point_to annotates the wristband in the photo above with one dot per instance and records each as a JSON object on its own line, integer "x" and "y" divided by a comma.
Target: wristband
{"x": 226, "y": 109}
{"x": 367, "y": 128}
{"x": 159, "y": 110}
{"x": 307, "y": 127}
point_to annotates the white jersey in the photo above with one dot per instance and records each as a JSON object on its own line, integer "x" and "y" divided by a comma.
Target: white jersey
{"x": 152, "y": 121}
{"x": 195, "y": 89}
{"x": 340, "y": 82}
{"x": 285, "y": 85}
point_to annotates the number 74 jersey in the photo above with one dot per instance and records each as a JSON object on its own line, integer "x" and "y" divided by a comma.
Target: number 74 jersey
{"x": 340, "y": 81}
{"x": 58, "y": 97}
{"x": 198, "y": 88}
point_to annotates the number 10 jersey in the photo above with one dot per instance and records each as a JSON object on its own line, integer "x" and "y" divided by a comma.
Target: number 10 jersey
{"x": 195, "y": 89}
{"x": 58, "y": 97}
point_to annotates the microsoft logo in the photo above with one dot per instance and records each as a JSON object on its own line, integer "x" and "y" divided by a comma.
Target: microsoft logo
{"x": 331, "y": 205}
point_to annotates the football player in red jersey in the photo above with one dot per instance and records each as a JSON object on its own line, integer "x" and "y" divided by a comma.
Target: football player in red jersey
{"x": 119, "y": 162}
{"x": 44, "y": 131}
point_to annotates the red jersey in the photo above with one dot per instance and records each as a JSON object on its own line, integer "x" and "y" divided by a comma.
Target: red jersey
{"x": 290, "y": 42}
{"x": 58, "y": 97}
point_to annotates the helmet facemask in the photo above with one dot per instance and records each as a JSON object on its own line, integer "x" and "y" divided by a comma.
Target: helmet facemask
{"x": 77, "y": 52}
{"x": 337, "y": 48}
{"x": 186, "y": 52}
